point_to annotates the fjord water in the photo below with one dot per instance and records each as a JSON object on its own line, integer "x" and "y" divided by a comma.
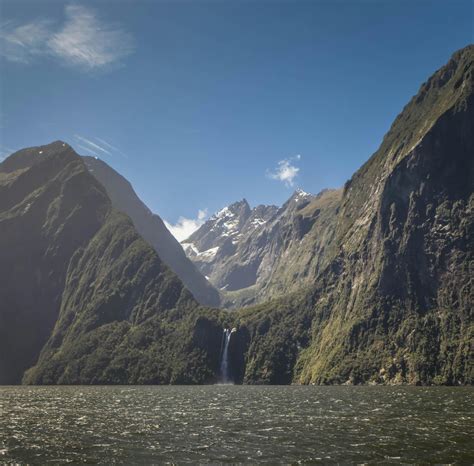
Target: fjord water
{"x": 224, "y": 423}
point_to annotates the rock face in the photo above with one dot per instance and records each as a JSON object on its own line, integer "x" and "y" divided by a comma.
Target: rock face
{"x": 152, "y": 228}
{"x": 256, "y": 254}
{"x": 214, "y": 247}
{"x": 393, "y": 300}
{"x": 368, "y": 284}
{"x": 83, "y": 295}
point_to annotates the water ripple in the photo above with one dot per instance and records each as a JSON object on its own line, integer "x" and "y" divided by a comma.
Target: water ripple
{"x": 224, "y": 423}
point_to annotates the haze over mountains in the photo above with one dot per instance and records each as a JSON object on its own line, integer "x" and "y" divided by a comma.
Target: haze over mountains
{"x": 371, "y": 283}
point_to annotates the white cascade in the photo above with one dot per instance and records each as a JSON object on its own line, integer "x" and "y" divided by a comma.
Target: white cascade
{"x": 224, "y": 367}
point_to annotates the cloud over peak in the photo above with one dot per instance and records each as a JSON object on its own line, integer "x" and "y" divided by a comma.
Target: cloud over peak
{"x": 185, "y": 227}
{"x": 82, "y": 40}
{"x": 286, "y": 171}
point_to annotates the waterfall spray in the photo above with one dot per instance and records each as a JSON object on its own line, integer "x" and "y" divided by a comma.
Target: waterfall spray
{"x": 224, "y": 367}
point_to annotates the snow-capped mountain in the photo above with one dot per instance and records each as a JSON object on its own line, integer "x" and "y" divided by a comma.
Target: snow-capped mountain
{"x": 222, "y": 226}
{"x": 218, "y": 240}
{"x": 238, "y": 248}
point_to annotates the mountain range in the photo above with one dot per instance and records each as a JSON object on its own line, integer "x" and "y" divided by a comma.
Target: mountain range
{"x": 252, "y": 255}
{"x": 369, "y": 283}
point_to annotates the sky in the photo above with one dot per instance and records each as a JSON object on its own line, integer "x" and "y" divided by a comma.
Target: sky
{"x": 202, "y": 103}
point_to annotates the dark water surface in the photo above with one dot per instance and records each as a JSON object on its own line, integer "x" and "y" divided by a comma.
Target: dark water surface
{"x": 224, "y": 423}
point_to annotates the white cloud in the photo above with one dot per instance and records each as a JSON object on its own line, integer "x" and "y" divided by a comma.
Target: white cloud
{"x": 184, "y": 227}
{"x": 286, "y": 171}
{"x": 86, "y": 41}
{"x": 82, "y": 40}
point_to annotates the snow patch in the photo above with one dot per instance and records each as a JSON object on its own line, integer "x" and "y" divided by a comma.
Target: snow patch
{"x": 258, "y": 222}
{"x": 191, "y": 250}
{"x": 225, "y": 212}
{"x": 300, "y": 194}
{"x": 209, "y": 253}
{"x": 230, "y": 226}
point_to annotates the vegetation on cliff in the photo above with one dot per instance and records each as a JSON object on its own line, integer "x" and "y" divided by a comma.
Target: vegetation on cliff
{"x": 378, "y": 288}
{"x": 394, "y": 302}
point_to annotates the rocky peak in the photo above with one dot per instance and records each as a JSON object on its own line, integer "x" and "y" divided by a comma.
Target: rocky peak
{"x": 297, "y": 201}
{"x": 233, "y": 215}
{"x": 240, "y": 207}
{"x": 223, "y": 225}
{"x": 260, "y": 216}
{"x": 245, "y": 258}
{"x": 27, "y": 157}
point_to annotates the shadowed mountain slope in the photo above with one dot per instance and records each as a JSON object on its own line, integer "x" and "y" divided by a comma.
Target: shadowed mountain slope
{"x": 368, "y": 284}
{"x": 82, "y": 287}
{"x": 152, "y": 228}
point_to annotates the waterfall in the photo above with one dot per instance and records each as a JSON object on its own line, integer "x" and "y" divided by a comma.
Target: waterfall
{"x": 224, "y": 367}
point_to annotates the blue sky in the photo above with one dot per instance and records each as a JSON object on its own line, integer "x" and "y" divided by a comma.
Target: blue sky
{"x": 202, "y": 103}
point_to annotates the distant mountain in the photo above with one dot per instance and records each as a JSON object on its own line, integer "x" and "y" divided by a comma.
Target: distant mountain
{"x": 256, "y": 254}
{"x": 83, "y": 297}
{"x": 152, "y": 228}
{"x": 214, "y": 247}
{"x": 369, "y": 284}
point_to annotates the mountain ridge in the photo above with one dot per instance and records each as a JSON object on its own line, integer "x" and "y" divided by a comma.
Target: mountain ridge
{"x": 393, "y": 304}
{"x": 263, "y": 239}
{"x": 82, "y": 292}
{"x": 367, "y": 284}
{"x": 152, "y": 228}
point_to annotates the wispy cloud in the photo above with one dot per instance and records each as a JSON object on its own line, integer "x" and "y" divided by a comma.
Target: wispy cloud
{"x": 96, "y": 146}
{"x": 111, "y": 147}
{"x": 86, "y": 41}
{"x": 286, "y": 171}
{"x": 22, "y": 43}
{"x": 91, "y": 144}
{"x": 185, "y": 227}
{"x": 87, "y": 150}
{"x": 82, "y": 40}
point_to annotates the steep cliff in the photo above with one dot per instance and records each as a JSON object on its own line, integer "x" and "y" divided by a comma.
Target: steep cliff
{"x": 394, "y": 302}
{"x": 368, "y": 284}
